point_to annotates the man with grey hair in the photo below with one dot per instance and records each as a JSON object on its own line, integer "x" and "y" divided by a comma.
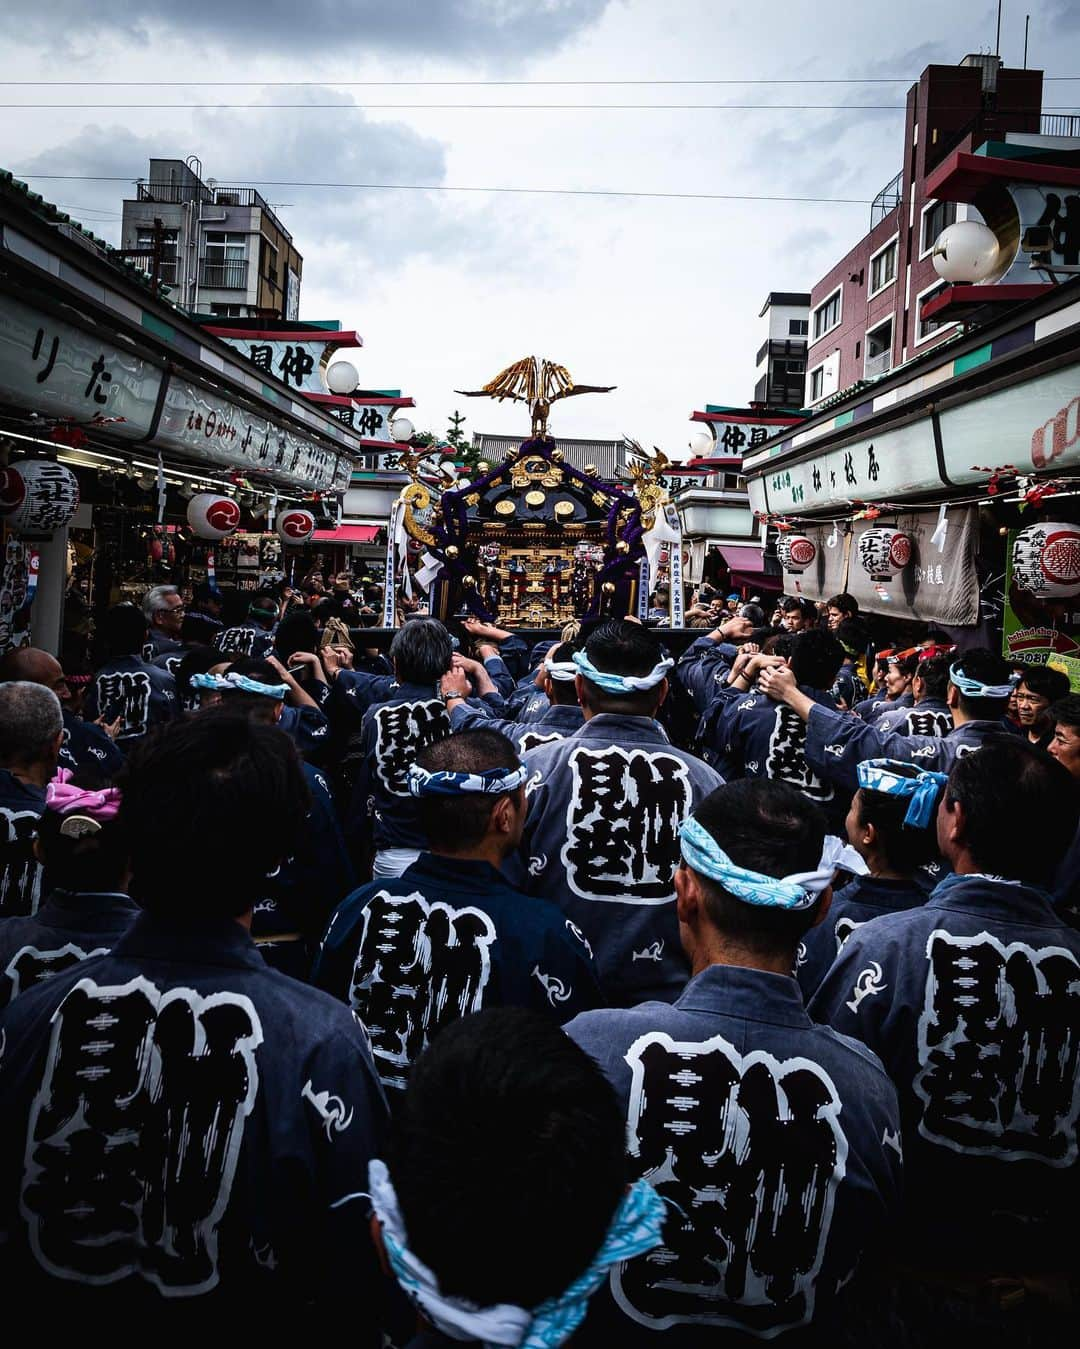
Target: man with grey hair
{"x": 86, "y": 744}
{"x": 164, "y": 611}
{"x": 391, "y": 735}
{"x": 31, "y": 732}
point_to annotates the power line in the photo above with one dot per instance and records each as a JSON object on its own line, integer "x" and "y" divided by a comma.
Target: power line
{"x": 442, "y": 187}
{"x": 498, "y": 107}
{"x": 454, "y": 84}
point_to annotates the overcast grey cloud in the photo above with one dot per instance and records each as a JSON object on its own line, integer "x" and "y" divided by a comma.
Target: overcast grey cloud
{"x": 659, "y": 296}
{"x": 477, "y": 30}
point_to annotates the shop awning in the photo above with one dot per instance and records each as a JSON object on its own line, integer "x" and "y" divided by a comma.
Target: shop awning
{"x": 744, "y": 559}
{"x": 346, "y": 534}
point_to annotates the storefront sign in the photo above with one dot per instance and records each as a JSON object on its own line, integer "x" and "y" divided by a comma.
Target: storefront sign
{"x": 297, "y": 359}
{"x": 370, "y": 420}
{"x": 58, "y": 370}
{"x": 211, "y": 428}
{"x": 1032, "y": 427}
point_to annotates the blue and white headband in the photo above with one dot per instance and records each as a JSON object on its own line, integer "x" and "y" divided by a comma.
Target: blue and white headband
{"x": 635, "y": 1228}
{"x": 616, "y": 683}
{"x": 975, "y": 688}
{"x": 879, "y": 775}
{"x": 563, "y": 671}
{"x": 492, "y": 781}
{"x": 238, "y": 683}
{"x": 704, "y": 855}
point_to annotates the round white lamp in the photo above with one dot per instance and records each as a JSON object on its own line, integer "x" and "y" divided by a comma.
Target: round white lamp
{"x": 402, "y": 430}
{"x": 702, "y": 442}
{"x": 967, "y": 251}
{"x": 342, "y": 377}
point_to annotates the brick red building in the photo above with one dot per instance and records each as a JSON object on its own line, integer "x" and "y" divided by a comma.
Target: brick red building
{"x": 866, "y": 312}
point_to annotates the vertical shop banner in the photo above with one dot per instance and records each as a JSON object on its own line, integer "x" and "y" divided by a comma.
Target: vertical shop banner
{"x": 18, "y": 584}
{"x": 1036, "y": 630}
{"x": 390, "y": 583}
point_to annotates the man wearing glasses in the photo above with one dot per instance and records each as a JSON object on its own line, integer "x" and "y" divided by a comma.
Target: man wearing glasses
{"x": 164, "y": 610}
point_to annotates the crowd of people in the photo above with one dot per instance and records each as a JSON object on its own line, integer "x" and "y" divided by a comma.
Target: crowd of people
{"x": 513, "y": 996}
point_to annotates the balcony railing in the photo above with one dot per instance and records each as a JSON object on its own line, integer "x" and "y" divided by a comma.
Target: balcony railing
{"x": 1060, "y": 124}
{"x": 888, "y": 199}
{"x": 877, "y": 365}
{"x": 223, "y": 275}
{"x": 180, "y": 193}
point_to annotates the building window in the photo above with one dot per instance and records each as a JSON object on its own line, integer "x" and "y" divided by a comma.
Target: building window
{"x": 937, "y": 216}
{"x": 879, "y": 349}
{"x": 883, "y": 268}
{"x": 927, "y": 327}
{"x": 817, "y": 383}
{"x": 224, "y": 261}
{"x": 227, "y": 311}
{"x": 798, "y": 327}
{"x": 827, "y": 315}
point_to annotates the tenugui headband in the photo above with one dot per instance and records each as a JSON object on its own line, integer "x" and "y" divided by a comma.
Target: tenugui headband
{"x": 564, "y": 671}
{"x": 879, "y": 775}
{"x": 238, "y": 683}
{"x": 64, "y": 799}
{"x": 702, "y": 852}
{"x": 616, "y": 683}
{"x": 492, "y": 781}
{"x": 634, "y": 1229}
{"x": 975, "y": 688}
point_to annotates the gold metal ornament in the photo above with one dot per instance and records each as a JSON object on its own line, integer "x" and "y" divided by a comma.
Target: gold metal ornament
{"x": 483, "y": 466}
{"x": 416, "y": 497}
{"x": 469, "y": 582}
{"x": 505, "y": 507}
{"x": 645, "y": 471}
{"x": 591, "y": 471}
{"x": 537, "y": 383}
{"x": 536, "y": 498}
{"x": 608, "y": 587}
{"x": 622, "y": 546}
{"x": 563, "y": 509}
{"x": 473, "y": 499}
{"x": 451, "y": 550}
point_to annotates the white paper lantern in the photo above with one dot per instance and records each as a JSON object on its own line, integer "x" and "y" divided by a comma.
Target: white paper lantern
{"x": 213, "y": 517}
{"x": 884, "y": 552}
{"x": 796, "y": 552}
{"x": 402, "y": 430}
{"x": 702, "y": 442}
{"x": 38, "y": 496}
{"x": 1046, "y": 559}
{"x": 295, "y": 526}
{"x": 966, "y": 251}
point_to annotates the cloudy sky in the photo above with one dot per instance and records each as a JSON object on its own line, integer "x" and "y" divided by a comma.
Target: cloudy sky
{"x": 656, "y": 294}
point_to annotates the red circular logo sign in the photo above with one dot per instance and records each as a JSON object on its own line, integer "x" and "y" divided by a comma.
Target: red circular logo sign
{"x": 297, "y": 524}
{"x": 12, "y": 490}
{"x": 802, "y": 551}
{"x": 900, "y": 550}
{"x": 223, "y": 514}
{"x": 1061, "y": 557}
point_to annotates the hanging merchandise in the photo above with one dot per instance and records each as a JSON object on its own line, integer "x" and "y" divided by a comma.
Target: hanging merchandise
{"x": 37, "y": 496}
{"x": 295, "y": 526}
{"x": 884, "y": 553}
{"x": 1046, "y": 559}
{"x": 213, "y": 517}
{"x": 796, "y": 552}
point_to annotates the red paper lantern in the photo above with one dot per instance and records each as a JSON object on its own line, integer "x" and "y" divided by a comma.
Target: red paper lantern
{"x": 213, "y": 517}
{"x": 295, "y": 526}
{"x": 796, "y": 552}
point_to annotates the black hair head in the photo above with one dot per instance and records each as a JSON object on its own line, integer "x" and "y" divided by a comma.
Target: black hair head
{"x": 122, "y": 631}
{"x": 816, "y": 657}
{"x": 1020, "y": 809}
{"x": 199, "y": 661}
{"x": 421, "y": 651}
{"x": 1066, "y": 711}
{"x": 771, "y": 828}
{"x": 903, "y": 847}
{"x": 622, "y": 648}
{"x": 507, "y": 1158}
{"x": 456, "y": 824}
{"x": 198, "y": 629}
{"x": 258, "y": 705}
{"x": 934, "y": 672}
{"x": 263, "y": 608}
{"x": 852, "y": 635}
{"x": 210, "y": 807}
{"x": 295, "y": 632}
{"x": 847, "y": 604}
{"x": 1045, "y": 682}
{"x": 989, "y": 668}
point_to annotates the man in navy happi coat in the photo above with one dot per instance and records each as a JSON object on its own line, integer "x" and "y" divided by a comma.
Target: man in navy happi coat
{"x": 775, "y": 1142}
{"x": 126, "y": 688}
{"x": 980, "y": 683}
{"x": 450, "y": 935}
{"x": 972, "y": 1002}
{"x": 605, "y": 805}
{"x": 182, "y": 1129}
{"x": 558, "y": 683}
